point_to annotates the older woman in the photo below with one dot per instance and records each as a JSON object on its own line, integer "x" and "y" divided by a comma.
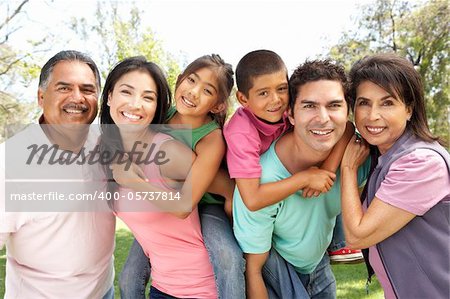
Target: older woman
{"x": 404, "y": 217}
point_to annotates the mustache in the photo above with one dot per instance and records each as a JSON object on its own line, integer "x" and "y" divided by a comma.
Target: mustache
{"x": 74, "y": 106}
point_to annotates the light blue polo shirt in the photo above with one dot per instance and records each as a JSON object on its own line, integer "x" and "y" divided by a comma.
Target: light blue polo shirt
{"x": 299, "y": 229}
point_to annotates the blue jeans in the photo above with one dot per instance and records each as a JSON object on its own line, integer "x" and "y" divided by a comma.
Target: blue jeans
{"x": 338, "y": 240}
{"x": 282, "y": 281}
{"x": 109, "y": 294}
{"x": 225, "y": 255}
{"x": 157, "y": 294}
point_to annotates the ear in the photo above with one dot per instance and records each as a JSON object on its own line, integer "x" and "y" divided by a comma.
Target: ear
{"x": 218, "y": 108}
{"x": 40, "y": 98}
{"x": 242, "y": 99}
{"x": 291, "y": 116}
{"x": 409, "y": 111}
{"x": 109, "y": 100}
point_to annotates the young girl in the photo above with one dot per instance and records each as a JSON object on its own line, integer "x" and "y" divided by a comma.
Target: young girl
{"x": 201, "y": 95}
{"x": 136, "y": 95}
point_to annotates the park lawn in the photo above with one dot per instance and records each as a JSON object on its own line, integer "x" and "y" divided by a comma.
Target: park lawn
{"x": 350, "y": 278}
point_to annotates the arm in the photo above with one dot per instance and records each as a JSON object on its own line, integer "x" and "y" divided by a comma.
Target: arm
{"x": 224, "y": 186}
{"x": 335, "y": 157}
{"x": 256, "y": 289}
{"x": 381, "y": 220}
{"x": 257, "y": 196}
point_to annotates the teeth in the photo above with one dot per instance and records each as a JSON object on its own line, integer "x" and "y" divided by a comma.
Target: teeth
{"x": 187, "y": 102}
{"x": 75, "y": 111}
{"x": 374, "y": 130}
{"x": 317, "y": 132}
{"x": 274, "y": 109}
{"x": 131, "y": 116}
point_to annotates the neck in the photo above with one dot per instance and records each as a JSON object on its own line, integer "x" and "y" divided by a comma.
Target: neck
{"x": 135, "y": 140}
{"x": 194, "y": 121}
{"x": 296, "y": 155}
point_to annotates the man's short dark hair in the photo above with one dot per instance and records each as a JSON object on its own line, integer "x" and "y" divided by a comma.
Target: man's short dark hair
{"x": 254, "y": 64}
{"x": 67, "y": 55}
{"x": 316, "y": 70}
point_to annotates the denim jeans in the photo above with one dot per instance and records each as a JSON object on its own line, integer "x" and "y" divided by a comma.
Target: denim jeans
{"x": 224, "y": 253}
{"x": 157, "y": 294}
{"x": 135, "y": 273}
{"x": 338, "y": 240}
{"x": 109, "y": 294}
{"x": 283, "y": 282}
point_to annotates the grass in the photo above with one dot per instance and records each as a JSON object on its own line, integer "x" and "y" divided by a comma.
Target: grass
{"x": 350, "y": 279}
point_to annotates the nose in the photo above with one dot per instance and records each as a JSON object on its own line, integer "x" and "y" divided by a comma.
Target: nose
{"x": 195, "y": 90}
{"x": 276, "y": 98}
{"x": 135, "y": 102}
{"x": 77, "y": 95}
{"x": 323, "y": 115}
{"x": 374, "y": 113}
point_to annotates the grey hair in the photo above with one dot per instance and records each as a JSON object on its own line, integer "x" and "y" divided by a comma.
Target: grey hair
{"x": 67, "y": 55}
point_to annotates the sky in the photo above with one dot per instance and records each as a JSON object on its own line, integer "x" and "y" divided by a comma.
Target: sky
{"x": 296, "y": 30}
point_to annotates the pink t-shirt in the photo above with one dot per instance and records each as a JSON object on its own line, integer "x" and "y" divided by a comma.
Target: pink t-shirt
{"x": 247, "y": 139}
{"x": 415, "y": 183}
{"x": 179, "y": 259}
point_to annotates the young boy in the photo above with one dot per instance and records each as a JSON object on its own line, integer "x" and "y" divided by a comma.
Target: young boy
{"x": 263, "y": 91}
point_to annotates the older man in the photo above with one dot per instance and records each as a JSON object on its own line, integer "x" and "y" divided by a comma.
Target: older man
{"x": 56, "y": 254}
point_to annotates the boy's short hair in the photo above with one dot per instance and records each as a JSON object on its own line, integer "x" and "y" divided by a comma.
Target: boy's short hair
{"x": 316, "y": 70}
{"x": 254, "y": 64}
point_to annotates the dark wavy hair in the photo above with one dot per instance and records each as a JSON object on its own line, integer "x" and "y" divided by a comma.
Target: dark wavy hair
{"x": 225, "y": 80}
{"x": 110, "y": 140}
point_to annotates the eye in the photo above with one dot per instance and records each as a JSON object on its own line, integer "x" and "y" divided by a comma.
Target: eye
{"x": 190, "y": 79}
{"x": 335, "y": 105}
{"x": 208, "y": 92}
{"x": 125, "y": 91}
{"x": 89, "y": 91}
{"x": 283, "y": 89}
{"x": 362, "y": 102}
{"x": 149, "y": 99}
{"x": 308, "y": 106}
{"x": 63, "y": 88}
{"x": 263, "y": 93}
{"x": 388, "y": 103}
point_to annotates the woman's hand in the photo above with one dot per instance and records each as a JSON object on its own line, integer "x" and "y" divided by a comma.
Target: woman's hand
{"x": 356, "y": 153}
{"x": 127, "y": 174}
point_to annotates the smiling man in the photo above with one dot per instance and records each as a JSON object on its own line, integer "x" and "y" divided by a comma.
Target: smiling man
{"x": 300, "y": 230}
{"x": 53, "y": 251}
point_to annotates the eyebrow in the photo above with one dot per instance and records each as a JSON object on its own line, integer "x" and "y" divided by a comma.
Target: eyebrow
{"x": 306, "y": 101}
{"x": 86, "y": 85}
{"x": 207, "y": 83}
{"x": 132, "y": 87}
{"x": 382, "y": 99}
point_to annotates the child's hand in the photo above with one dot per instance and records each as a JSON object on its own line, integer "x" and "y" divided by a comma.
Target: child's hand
{"x": 308, "y": 193}
{"x": 319, "y": 180}
{"x": 127, "y": 174}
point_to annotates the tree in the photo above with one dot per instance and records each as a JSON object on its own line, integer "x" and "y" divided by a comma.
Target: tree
{"x": 120, "y": 35}
{"x": 16, "y": 67}
{"x": 418, "y": 32}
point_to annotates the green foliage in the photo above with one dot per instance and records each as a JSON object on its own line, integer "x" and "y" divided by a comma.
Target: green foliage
{"x": 418, "y": 32}
{"x": 120, "y": 34}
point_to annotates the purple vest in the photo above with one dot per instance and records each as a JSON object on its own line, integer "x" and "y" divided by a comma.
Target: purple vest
{"x": 417, "y": 257}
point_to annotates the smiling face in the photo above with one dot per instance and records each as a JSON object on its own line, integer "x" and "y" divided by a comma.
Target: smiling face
{"x": 320, "y": 114}
{"x": 133, "y": 100}
{"x": 71, "y": 94}
{"x": 379, "y": 116}
{"x": 198, "y": 94}
{"x": 269, "y": 96}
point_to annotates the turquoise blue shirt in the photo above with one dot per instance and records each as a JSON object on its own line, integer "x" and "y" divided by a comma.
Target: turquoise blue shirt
{"x": 299, "y": 229}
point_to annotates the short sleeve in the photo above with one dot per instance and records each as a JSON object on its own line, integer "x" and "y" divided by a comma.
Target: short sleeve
{"x": 416, "y": 182}
{"x": 243, "y": 155}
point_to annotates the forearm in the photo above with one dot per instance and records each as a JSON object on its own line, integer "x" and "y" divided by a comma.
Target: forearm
{"x": 352, "y": 211}
{"x": 335, "y": 157}
{"x": 258, "y": 196}
{"x": 222, "y": 185}
{"x": 256, "y": 289}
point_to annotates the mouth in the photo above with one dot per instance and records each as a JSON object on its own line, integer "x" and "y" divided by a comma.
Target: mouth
{"x": 187, "y": 103}
{"x": 130, "y": 116}
{"x": 75, "y": 109}
{"x": 276, "y": 109}
{"x": 323, "y": 132}
{"x": 375, "y": 130}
